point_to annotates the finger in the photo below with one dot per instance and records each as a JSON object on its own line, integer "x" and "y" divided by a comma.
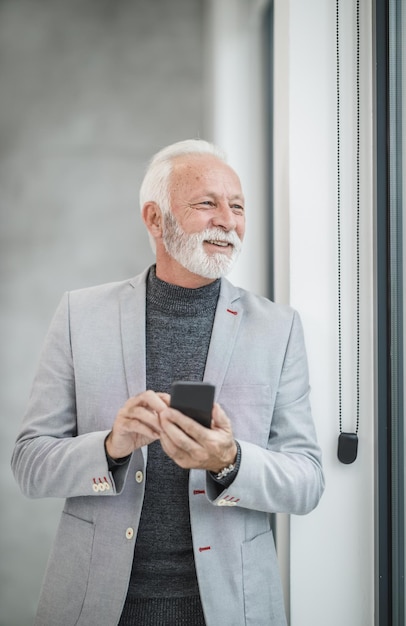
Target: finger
{"x": 149, "y": 399}
{"x": 182, "y": 449}
{"x": 132, "y": 430}
{"x": 219, "y": 418}
{"x": 192, "y": 428}
{"x": 140, "y": 416}
{"x": 165, "y": 397}
{"x": 138, "y": 427}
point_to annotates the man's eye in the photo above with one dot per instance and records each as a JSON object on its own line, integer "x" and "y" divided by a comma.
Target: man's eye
{"x": 206, "y": 204}
{"x": 238, "y": 207}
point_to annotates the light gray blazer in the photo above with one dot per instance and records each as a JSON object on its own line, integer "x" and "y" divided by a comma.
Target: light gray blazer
{"x": 92, "y": 361}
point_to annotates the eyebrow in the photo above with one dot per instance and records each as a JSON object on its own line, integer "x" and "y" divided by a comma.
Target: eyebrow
{"x": 213, "y": 194}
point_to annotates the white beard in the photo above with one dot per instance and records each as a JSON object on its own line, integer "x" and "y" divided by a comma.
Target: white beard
{"x": 187, "y": 249}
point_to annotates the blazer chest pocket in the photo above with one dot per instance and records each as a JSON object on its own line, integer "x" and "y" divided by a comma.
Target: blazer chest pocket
{"x": 250, "y": 408}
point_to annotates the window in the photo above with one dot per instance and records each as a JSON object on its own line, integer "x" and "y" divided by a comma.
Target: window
{"x": 390, "y": 93}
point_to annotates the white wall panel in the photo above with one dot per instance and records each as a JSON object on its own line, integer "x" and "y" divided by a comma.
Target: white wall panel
{"x": 332, "y": 549}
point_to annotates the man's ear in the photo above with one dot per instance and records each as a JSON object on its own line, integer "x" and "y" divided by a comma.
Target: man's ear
{"x": 152, "y": 216}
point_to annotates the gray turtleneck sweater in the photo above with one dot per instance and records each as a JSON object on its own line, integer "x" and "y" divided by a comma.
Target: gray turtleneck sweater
{"x": 163, "y": 586}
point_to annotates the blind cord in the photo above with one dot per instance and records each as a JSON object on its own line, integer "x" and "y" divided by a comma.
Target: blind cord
{"x": 348, "y": 442}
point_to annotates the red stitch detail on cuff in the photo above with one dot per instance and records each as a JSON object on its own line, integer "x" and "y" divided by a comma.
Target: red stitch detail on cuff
{"x": 233, "y": 312}
{"x": 196, "y": 492}
{"x": 205, "y": 548}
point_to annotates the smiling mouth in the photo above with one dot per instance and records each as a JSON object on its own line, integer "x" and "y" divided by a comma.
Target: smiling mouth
{"x": 221, "y": 244}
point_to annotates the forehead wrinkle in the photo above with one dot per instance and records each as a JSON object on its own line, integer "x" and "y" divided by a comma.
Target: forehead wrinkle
{"x": 197, "y": 177}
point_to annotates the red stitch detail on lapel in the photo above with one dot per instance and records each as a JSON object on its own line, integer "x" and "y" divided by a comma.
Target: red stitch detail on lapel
{"x": 196, "y": 492}
{"x": 205, "y": 548}
{"x": 233, "y": 312}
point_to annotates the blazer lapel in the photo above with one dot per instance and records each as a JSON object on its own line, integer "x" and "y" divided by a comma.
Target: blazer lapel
{"x": 227, "y": 321}
{"x": 132, "y": 313}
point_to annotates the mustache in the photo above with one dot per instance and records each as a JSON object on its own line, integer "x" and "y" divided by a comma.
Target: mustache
{"x": 172, "y": 228}
{"x": 219, "y": 234}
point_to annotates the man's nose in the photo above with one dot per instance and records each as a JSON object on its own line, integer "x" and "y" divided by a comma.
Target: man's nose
{"x": 224, "y": 217}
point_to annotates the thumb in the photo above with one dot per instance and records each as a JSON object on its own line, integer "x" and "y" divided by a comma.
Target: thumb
{"x": 219, "y": 418}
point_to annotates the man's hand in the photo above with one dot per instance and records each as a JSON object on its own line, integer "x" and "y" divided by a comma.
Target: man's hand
{"x": 191, "y": 445}
{"x": 137, "y": 424}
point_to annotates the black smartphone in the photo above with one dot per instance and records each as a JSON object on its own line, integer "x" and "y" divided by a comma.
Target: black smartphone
{"x": 194, "y": 399}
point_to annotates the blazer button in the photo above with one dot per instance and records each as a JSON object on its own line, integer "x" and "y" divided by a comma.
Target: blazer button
{"x": 129, "y": 533}
{"x": 139, "y": 476}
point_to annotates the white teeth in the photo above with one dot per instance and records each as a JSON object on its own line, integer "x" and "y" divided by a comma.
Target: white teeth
{"x": 224, "y": 244}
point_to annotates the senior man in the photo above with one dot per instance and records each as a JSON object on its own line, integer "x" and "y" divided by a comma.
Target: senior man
{"x": 167, "y": 522}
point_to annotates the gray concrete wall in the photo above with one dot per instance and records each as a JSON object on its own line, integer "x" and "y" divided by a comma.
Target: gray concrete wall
{"x": 89, "y": 89}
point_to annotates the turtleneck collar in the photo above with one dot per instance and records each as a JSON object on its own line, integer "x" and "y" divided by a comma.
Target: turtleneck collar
{"x": 170, "y": 298}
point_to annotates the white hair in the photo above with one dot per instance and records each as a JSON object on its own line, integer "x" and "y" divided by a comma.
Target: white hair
{"x": 155, "y": 185}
